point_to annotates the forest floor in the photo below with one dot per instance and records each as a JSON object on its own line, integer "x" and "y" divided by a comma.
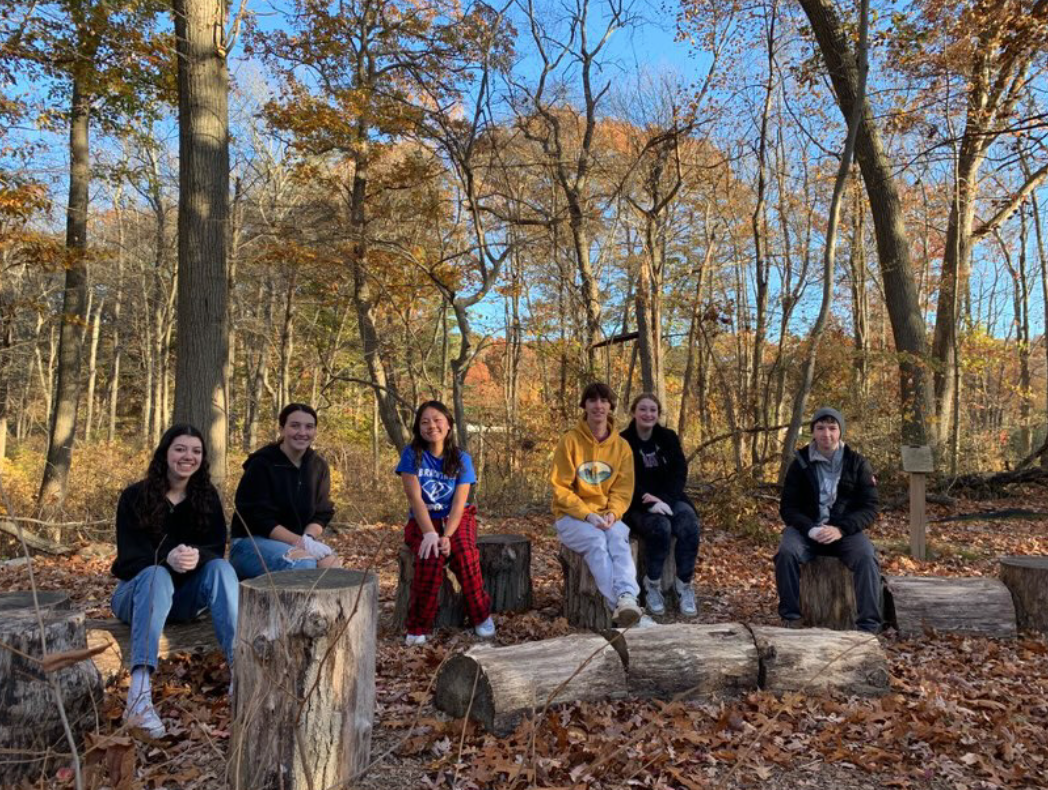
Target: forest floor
{"x": 962, "y": 713}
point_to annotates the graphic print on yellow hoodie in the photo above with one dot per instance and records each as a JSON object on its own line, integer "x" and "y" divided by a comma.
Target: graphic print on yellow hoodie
{"x": 590, "y": 476}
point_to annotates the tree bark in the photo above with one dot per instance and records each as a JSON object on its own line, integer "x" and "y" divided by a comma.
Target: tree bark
{"x": 203, "y": 214}
{"x": 305, "y": 696}
{"x": 969, "y": 606}
{"x": 498, "y": 687}
{"x": 908, "y": 327}
{"x": 1027, "y": 580}
{"x": 584, "y": 606}
{"x": 827, "y": 595}
{"x": 813, "y": 660}
{"x": 709, "y": 662}
{"x": 74, "y": 298}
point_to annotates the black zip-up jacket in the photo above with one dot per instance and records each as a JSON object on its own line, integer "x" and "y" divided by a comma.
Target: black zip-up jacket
{"x": 667, "y": 478}
{"x": 855, "y": 507}
{"x": 138, "y": 548}
{"x": 274, "y": 492}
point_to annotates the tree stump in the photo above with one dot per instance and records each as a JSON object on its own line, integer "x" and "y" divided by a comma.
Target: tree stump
{"x": 827, "y": 594}
{"x": 32, "y": 737}
{"x": 669, "y": 571}
{"x": 305, "y": 679}
{"x": 819, "y": 659}
{"x": 969, "y": 606}
{"x": 685, "y": 661}
{"x": 506, "y": 683}
{"x": 505, "y": 566}
{"x": 584, "y": 606}
{"x": 1027, "y": 580}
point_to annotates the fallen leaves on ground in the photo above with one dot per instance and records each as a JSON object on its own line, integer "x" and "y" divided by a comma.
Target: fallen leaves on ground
{"x": 964, "y": 713}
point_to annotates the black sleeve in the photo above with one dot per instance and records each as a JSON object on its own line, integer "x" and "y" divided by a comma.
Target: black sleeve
{"x": 323, "y": 508}
{"x": 212, "y": 546}
{"x": 864, "y": 502}
{"x": 256, "y": 511}
{"x": 678, "y": 471}
{"x": 135, "y": 550}
{"x": 792, "y": 505}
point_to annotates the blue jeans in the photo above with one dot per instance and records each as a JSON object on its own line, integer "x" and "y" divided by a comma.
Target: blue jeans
{"x": 150, "y": 600}
{"x": 658, "y": 530}
{"x": 255, "y": 556}
{"x": 858, "y": 555}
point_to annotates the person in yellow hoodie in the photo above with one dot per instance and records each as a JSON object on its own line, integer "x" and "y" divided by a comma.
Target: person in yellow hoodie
{"x": 592, "y": 481}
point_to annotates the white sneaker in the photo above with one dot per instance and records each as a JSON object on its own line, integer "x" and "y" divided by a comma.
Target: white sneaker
{"x": 626, "y": 612}
{"x": 686, "y": 596}
{"x": 646, "y": 622}
{"x": 415, "y": 639}
{"x": 485, "y": 630}
{"x": 147, "y": 720}
{"x": 653, "y": 596}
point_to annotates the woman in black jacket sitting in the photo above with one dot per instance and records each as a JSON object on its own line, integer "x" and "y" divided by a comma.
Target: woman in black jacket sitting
{"x": 171, "y": 539}
{"x": 660, "y": 509}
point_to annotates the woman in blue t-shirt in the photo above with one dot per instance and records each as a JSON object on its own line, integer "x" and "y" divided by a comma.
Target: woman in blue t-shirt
{"x": 437, "y": 476}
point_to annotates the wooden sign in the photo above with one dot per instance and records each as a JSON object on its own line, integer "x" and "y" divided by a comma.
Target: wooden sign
{"x": 918, "y": 459}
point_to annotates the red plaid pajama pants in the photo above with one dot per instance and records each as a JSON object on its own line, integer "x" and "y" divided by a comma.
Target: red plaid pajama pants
{"x": 464, "y": 562}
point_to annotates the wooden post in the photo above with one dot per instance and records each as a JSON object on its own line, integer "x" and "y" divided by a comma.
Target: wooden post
{"x": 304, "y": 670}
{"x": 918, "y": 462}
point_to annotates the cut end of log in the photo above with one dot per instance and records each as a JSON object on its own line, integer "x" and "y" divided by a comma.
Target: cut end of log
{"x": 462, "y": 689}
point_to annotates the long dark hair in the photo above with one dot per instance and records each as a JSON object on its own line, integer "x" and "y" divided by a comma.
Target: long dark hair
{"x": 153, "y": 504}
{"x": 452, "y": 454}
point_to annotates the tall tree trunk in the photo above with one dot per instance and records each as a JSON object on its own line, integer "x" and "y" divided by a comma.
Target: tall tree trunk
{"x": 203, "y": 214}
{"x": 860, "y": 300}
{"x": 92, "y": 369}
{"x": 67, "y": 397}
{"x": 287, "y": 340}
{"x": 114, "y": 376}
{"x": 908, "y": 326}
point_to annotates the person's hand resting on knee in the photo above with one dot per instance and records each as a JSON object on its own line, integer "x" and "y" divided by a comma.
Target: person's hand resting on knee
{"x": 825, "y": 534}
{"x": 656, "y": 505}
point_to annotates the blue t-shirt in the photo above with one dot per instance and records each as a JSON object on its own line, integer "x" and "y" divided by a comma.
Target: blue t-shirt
{"x": 437, "y": 488}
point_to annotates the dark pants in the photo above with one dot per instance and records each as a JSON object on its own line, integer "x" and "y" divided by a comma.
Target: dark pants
{"x": 857, "y": 554}
{"x": 657, "y": 531}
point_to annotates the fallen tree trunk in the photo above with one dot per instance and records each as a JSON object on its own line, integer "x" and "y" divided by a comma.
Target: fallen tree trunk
{"x": 1027, "y": 580}
{"x": 32, "y": 737}
{"x": 305, "y": 680}
{"x": 686, "y": 661}
{"x": 970, "y": 606}
{"x": 818, "y": 659}
{"x": 34, "y": 541}
{"x": 499, "y": 686}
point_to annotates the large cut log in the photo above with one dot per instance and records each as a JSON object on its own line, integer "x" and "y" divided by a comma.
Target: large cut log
{"x": 305, "y": 679}
{"x": 827, "y": 594}
{"x": 820, "y": 660}
{"x": 969, "y": 606}
{"x": 584, "y": 606}
{"x": 1027, "y": 580}
{"x": 638, "y": 547}
{"x": 498, "y": 686}
{"x": 32, "y": 738}
{"x": 197, "y": 636}
{"x": 687, "y": 661}
{"x": 505, "y": 566}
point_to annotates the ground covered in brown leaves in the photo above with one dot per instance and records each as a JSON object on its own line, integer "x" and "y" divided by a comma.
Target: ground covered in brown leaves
{"x": 963, "y": 712}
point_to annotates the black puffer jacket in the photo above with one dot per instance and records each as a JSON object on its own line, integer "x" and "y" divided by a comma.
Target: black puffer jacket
{"x": 855, "y": 507}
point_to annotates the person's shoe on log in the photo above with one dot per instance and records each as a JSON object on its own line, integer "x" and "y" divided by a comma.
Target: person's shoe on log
{"x": 686, "y": 597}
{"x": 485, "y": 630}
{"x": 412, "y": 640}
{"x": 794, "y": 623}
{"x": 653, "y": 596}
{"x": 627, "y": 612}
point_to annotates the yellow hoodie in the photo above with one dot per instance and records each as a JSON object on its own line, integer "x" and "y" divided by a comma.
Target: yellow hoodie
{"x": 590, "y": 476}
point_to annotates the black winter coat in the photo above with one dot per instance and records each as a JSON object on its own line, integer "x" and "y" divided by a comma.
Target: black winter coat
{"x": 855, "y": 507}
{"x": 666, "y": 471}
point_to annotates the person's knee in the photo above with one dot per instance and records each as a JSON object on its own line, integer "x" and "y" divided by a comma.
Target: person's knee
{"x": 222, "y": 572}
{"x": 157, "y": 579}
{"x": 790, "y": 552}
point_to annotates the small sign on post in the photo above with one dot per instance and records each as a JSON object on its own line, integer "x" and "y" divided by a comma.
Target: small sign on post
{"x": 918, "y": 462}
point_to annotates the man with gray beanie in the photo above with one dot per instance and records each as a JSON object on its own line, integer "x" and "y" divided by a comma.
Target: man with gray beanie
{"x": 828, "y": 499}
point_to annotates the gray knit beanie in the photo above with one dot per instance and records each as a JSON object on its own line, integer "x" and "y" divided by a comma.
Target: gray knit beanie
{"x": 824, "y": 412}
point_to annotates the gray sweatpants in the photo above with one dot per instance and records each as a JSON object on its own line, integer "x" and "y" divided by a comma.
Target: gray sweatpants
{"x": 607, "y": 553}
